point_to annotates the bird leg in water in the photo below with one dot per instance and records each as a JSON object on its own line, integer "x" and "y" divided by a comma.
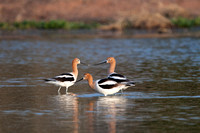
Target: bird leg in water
{"x": 59, "y": 89}
{"x": 66, "y": 90}
{"x": 121, "y": 91}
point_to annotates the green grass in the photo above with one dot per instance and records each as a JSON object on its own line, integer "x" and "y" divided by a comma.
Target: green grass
{"x": 62, "y": 24}
{"x": 184, "y": 22}
{"x": 53, "y": 24}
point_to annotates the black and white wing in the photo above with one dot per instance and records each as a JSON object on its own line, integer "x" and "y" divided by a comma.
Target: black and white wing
{"x": 107, "y": 83}
{"x": 62, "y": 78}
{"x": 120, "y": 79}
{"x": 117, "y": 77}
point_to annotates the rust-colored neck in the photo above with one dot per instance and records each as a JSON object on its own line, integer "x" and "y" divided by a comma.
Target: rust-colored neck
{"x": 75, "y": 69}
{"x": 90, "y": 82}
{"x": 112, "y": 67}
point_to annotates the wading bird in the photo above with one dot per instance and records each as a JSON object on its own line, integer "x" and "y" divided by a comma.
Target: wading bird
{"x": 112, "y": 75}
{"x": 66, "y": 79}
{"x": 105, "y": 86}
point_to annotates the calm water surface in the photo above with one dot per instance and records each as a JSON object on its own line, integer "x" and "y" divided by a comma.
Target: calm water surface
{"x": 166, "y": 97}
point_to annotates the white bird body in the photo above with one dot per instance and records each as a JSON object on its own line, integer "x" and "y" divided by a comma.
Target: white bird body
{"x": 104, "y": 86}
{"x": 114, "y": 88}
{"x": 63, "y": 80}
{"x": 66, "y": 79}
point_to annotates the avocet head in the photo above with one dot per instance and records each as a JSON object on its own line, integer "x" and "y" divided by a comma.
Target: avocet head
{"x": 77, "y": 61}
{"x": 110, "y": 60}
{"x": 85, "y": 77}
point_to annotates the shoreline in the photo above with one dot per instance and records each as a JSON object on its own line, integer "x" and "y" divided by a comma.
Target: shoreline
{"x": 43, "y": 34}
{"x": 122, "y": 24}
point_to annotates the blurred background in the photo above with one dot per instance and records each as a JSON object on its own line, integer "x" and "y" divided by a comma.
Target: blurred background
{"x": 111, "y": 14}
{"x": 156, "y": 44}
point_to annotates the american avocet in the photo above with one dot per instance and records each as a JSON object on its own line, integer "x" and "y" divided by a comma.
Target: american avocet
{"x": 115, "y": 76}
{"x": 66, "y": 79}
{"x": 105, "y": 86}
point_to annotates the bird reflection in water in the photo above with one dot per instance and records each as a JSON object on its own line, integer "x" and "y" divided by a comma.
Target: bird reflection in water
{"x": 107, "y": 109}
{"x": 69, "y": 105}
{"x": 99, "y": 111}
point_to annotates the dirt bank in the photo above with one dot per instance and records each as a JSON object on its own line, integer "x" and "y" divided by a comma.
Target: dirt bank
{"x": 142, "y": 13}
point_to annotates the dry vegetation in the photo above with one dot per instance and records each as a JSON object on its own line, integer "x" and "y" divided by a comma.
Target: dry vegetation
{"x": 116, "y": 14}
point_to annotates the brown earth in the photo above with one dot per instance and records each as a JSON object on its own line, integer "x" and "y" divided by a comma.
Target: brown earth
{"x": 120, "y": 13}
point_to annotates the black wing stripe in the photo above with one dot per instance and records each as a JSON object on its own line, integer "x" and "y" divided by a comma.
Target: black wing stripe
{"x": 63, "y": 79}
{"x": 108, "y": 86}
{"x": 102, "y": 80}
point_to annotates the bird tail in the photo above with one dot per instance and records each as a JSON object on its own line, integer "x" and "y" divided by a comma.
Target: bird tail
{"x": 48, "y": 80}
{"x": 130, "y": 83}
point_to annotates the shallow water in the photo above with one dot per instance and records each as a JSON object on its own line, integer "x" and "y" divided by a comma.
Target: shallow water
{"x": 165, "y": 99}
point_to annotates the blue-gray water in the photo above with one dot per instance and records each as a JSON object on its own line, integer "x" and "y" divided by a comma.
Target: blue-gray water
{"x": 166, "y": 97}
